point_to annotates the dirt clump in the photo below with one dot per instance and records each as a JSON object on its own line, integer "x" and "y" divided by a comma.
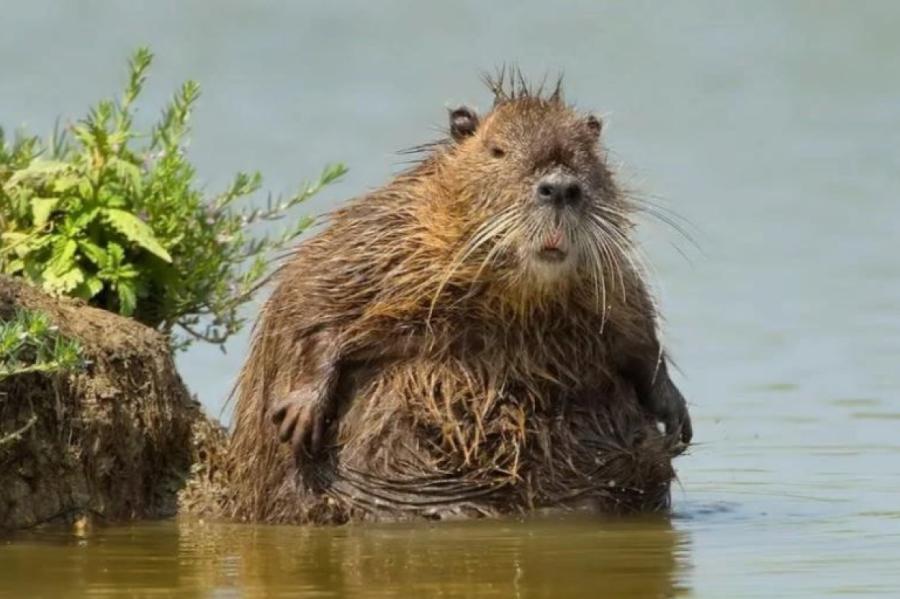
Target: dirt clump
{"x": 112, "y": 441}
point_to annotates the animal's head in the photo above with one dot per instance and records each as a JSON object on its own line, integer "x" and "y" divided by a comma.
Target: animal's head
{"x": 532, "y": 183}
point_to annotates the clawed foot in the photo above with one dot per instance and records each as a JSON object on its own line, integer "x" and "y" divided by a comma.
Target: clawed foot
{"x": 669, "y": 407}
{"x": 302, "y": 422}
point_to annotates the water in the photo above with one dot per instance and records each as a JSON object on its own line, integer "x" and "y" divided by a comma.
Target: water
{"x": 772, "y": 126}
{"x": 488, "y": 559}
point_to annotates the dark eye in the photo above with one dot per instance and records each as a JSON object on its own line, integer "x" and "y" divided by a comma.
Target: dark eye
{"x": 497, "y": 152}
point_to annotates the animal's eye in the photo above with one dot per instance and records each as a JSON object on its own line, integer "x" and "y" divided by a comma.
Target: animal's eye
{"x": 497, "y": 152}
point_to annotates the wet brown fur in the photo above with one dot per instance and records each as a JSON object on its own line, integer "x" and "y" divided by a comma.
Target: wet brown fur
{"x": 476, "y": 389}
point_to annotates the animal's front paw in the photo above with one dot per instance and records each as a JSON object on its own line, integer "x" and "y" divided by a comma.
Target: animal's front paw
{"x": 669, "y": 407}
{"x": 302, "y": 422}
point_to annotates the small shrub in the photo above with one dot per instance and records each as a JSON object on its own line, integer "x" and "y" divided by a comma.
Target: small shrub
{"x": 106, "y": 214}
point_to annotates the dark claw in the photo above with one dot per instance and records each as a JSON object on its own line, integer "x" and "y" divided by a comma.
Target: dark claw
{"x": 284, "y": 416}
{"x": 315, "y": 437}
{"x": 287, "y": 428}
{"x": 300, "y": 422}
{"x": 679, "y": 424}
{"x": 669, "y": 407}
{"x": 687, "y": 431}
{"x": 298, "y": 439}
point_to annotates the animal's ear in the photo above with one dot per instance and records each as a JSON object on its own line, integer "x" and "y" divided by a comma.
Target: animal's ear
{"x": 463, "y": 122}
{"x": 594, "y": 124}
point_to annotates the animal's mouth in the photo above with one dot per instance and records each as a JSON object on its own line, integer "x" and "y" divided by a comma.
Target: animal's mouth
{"x": 552, "y": 254}
{"x": 553, "y": 247}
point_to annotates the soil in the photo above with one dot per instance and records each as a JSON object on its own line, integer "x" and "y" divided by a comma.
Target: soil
{"x": 114, "y": 441}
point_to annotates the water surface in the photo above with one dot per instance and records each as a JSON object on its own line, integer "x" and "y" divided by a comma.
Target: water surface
{"x": 637, "y": 558}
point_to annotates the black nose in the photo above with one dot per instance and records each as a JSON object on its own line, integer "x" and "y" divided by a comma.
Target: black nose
{"x": 559, "y": 190}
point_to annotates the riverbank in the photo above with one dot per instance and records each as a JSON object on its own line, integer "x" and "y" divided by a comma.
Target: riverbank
{"x": 114, "y": 441}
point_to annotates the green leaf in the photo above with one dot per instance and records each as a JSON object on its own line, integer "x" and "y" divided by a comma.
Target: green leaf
{"x": 14, "y": 266}
{"x": 115, "y": 255}
{"x": 33, "y": 269}
{"x": 94, "y": 252}
{"x": 110, "y": 199}
{"x": 22, "y": 244}
{"x": 137, "y": 66}
{"x": 39, "y": 169}
{"x": 12, "y": 238}
{"x": 62, "y": 257}
{"x": 127, "y": 271}
{"x": 128, "y": 172}
{"x": 127, "y": 298}
{"x": 83, "y": 134}
{"x": 136, "y": 231}
{"x": 332, "y": 173}
{"x": 41, "y": 208}
{"x": 85, "y": 187}
{"x": 76, "y": 222}
{"x": 66, "y": 182}
{"x": 95, "y": 285}
{"x": 90, "y": 287}
{"x": 62, "y": 283}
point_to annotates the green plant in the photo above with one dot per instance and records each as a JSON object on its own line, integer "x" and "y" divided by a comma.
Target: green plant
{"x": 106, "y": 214}
{"x": 31, "y": 343}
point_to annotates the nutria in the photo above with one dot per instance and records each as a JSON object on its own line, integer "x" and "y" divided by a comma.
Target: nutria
{"x": 475, "y": 337}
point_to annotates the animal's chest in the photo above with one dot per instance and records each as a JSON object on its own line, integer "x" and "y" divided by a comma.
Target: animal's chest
{"x": 564, "y": 353}
{"x": 552, "y": 361}
{"x": 472, "y": 364}
{"x": 482, "y": 400}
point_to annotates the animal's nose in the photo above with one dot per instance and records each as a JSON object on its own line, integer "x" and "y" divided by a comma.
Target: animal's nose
{"x": 559, "y": 190}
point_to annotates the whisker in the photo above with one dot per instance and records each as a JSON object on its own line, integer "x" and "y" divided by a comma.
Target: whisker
{"x": 643, "y": 198}
{"x": 599, "y": 277}
{"x": 481, "y": 236}
{"x": 632, "y": 253}
{"x": 664, "y": 215}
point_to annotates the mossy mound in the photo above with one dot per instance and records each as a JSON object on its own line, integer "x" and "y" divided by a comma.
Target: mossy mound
{"x": 114, "y": 440}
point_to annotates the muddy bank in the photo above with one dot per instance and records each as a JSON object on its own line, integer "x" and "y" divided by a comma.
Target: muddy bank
{"x": 114, "y": 441}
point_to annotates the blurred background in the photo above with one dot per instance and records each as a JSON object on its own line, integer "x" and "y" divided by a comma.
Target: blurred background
{"x": 772, "y": 127}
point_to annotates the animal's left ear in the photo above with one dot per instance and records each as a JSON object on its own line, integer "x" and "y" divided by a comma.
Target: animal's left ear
{"x": 595, "y": 125}
{"x": 463, "y": 122}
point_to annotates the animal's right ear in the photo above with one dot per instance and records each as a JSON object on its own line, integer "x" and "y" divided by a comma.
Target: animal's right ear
{"x": 463, "y": 122}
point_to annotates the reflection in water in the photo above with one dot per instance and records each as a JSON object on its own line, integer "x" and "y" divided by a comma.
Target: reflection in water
{"x": 540, "y": 558}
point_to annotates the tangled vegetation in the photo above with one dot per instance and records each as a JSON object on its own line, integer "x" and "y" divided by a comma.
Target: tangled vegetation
{"x": 29, "y": 342}
{"x": 117, "y": 218}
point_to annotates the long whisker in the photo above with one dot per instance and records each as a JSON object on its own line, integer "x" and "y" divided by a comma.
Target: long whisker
{"x": 500, "y": 244}
{"x": 598, "y": 275}
{"x": 643, "y": 266}
{"x": 485, "y": 233}
{"x": 644, "y": 198}
{"x": 664, "y": 215}
{"x": 481, "y": 236}
{"x": 613, "y": 249}
{"x": 614, "y": 242}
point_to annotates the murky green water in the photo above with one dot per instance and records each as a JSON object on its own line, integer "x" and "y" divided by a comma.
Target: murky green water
{"x": 772, "y": 126}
